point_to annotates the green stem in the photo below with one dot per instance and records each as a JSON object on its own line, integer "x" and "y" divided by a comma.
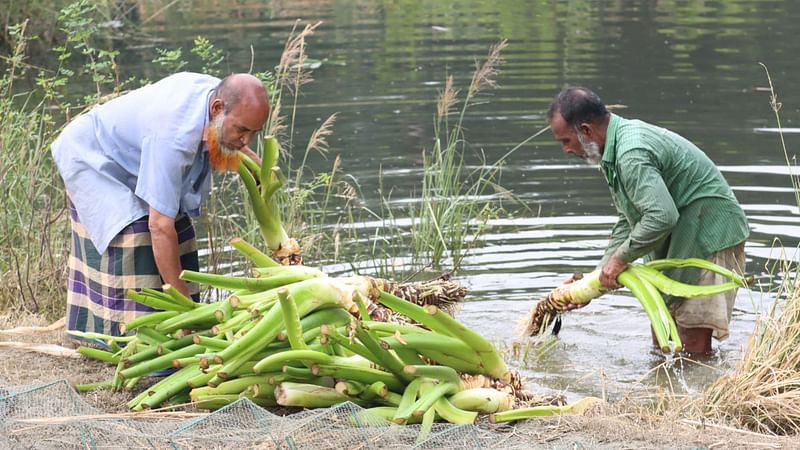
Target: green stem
{"x": 491, "y": 360}
{"x": 147, "y": 320}
{"x": 291, "y": 321}
{"x": 385, "y": 359}
{"x": 259, "y": 258}
{"x": 100, "y": 355}
{"x": 356, "y": 373}
{"x": 178, "y": 297}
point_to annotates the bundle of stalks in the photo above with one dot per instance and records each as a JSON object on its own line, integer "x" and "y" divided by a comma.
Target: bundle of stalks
{"x": 647, "y": 283}
{"x": 763, "y": 393}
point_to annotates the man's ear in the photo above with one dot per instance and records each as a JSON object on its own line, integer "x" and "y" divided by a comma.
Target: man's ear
{"x": 216, "y": 107}
{"x": 587, "y": 130}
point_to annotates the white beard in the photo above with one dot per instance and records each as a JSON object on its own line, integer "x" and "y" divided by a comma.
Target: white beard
{"x": 217, "y": 124}
{"x": 591, "y": 150}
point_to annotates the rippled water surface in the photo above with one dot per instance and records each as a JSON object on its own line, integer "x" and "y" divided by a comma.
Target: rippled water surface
{"x": 687, "y": 65}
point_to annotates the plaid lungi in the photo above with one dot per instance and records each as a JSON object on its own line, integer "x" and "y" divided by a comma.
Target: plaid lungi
{"x": 97, "y": 283}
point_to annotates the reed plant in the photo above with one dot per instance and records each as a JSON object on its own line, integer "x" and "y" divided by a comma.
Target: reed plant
{"x": 34, "y": 105}
{"x": 763, "y": 392}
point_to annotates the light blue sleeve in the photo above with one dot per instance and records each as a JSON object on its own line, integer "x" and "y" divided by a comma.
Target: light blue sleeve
{"x": 163, "y": 164}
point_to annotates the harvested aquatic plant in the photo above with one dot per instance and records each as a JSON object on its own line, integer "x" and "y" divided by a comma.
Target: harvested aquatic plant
{"x": 647, "y": 283}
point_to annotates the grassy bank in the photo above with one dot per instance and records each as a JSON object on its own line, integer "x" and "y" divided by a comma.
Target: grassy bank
{"x": 321, "y": 209}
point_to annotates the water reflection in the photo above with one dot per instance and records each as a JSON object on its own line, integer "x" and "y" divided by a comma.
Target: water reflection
{"x": 686, "y": 65}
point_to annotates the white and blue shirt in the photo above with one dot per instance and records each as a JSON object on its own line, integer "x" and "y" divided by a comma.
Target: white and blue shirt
{"x": 140, "y": 150}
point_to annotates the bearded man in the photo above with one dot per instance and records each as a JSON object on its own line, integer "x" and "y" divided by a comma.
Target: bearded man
{"x": 135, "y": 170}
{"x": 672, "y": 202}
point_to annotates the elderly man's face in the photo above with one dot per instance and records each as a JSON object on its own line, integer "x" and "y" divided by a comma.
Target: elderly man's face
{"x": 240, "y": 125}
{"x": 575, "y": 143}
{"x": 230, "y": 132}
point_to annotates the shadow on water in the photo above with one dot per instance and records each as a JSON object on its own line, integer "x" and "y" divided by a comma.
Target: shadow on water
{"x": 688, "y": 66}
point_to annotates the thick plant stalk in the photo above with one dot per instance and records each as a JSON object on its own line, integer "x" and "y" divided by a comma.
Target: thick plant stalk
{"x": 278, "y": 360}
{"x": 387, "y": 360}
{"x": 307, "y": 395}
{"x": 160, "y": 362}
{"x": 578, "y": 292}
{"x": 360, "y": 374}
{"x": 678, "y": 289}
{"x": 413, "y": 312}
{"x": 579, "y": 407}
{"x": 235, "y": 386}
{"x": 453, "y": 414}
{"x": 326, "y": 292}
{"x": 261, "y": 185}
{"x": 442, "y": 373}
{"x": 491, "y": 361}
{"x": 427, "y": 424}
{"x": 429, "y": 393}
{"x": 482, "y": 400}
{"x": 214, "y": 402}
{"x": 147, "y": 320}
{"x": 291, "y": 320}
{"x": 260, "y": 283}
{"x": 407, "y": 400}
{"x": 100, "y": 355}
{"x": 176, "y": 386}
{"x": 446, "y": 345}
{"x": 178, "y": 297}
{"x": 661, "y": 325}
{"x": 154, "y": 302}
{"x": 674, "y": 263}
{"x": 259, "y": 258}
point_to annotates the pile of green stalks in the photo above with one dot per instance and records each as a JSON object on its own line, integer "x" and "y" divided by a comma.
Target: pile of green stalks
{"x": 291, "y": 336}
{"x": 288, "y": 335}
{"x": 647, "y": 283}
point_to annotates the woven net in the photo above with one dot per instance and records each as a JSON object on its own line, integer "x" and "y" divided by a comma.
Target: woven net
{"x": 54, "y": 416}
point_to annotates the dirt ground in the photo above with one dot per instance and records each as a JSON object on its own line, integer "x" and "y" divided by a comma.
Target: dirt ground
{"x": 616, "y": 426}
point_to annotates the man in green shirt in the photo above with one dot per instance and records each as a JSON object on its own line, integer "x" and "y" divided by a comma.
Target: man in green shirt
{"x": 672, "y": 202}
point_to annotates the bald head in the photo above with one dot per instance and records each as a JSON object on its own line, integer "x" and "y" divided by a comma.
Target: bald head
{"x": 241, "y": 88}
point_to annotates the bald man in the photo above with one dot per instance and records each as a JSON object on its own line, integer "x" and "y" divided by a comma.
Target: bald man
{"x": 136, "y": 169}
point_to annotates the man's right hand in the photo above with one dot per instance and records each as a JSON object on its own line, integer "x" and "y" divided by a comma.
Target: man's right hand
{"x": 165, "y": 250}
{"x": 612, "y": 268}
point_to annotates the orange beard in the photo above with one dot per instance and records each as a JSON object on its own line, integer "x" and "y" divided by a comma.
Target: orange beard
{"x": 221, "y": 159}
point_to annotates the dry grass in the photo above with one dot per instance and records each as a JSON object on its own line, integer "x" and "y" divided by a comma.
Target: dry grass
{"x": 484, "y": 73}
{"x": 763, "y": 393}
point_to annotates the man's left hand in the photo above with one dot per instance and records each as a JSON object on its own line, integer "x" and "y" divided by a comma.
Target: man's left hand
{"x": 251, "y": 154}
{"x": 610, "y": 271}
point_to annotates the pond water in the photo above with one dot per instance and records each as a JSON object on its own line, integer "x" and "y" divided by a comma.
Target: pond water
{"x": 690, "y": 66}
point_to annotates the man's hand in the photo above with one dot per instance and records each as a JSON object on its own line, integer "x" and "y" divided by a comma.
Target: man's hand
{"x": 251, "y": 154}
{"x": 570, "y": 306}
{"x": 165, "y": 250}
{"x": 610, "y": 271}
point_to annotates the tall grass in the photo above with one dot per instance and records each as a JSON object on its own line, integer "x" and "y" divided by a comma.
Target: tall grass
{"x": 33, "y": 105}
{"x": 321, "y": 210}
{"x": 763, "y": 393}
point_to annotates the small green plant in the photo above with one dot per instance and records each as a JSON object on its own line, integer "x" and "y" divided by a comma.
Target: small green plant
{"x": 211, "y": 56}
{"x": 171, "y": 60}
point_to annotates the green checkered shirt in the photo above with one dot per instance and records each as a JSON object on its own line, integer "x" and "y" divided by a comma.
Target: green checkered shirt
{"x": 672, "y": 200}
